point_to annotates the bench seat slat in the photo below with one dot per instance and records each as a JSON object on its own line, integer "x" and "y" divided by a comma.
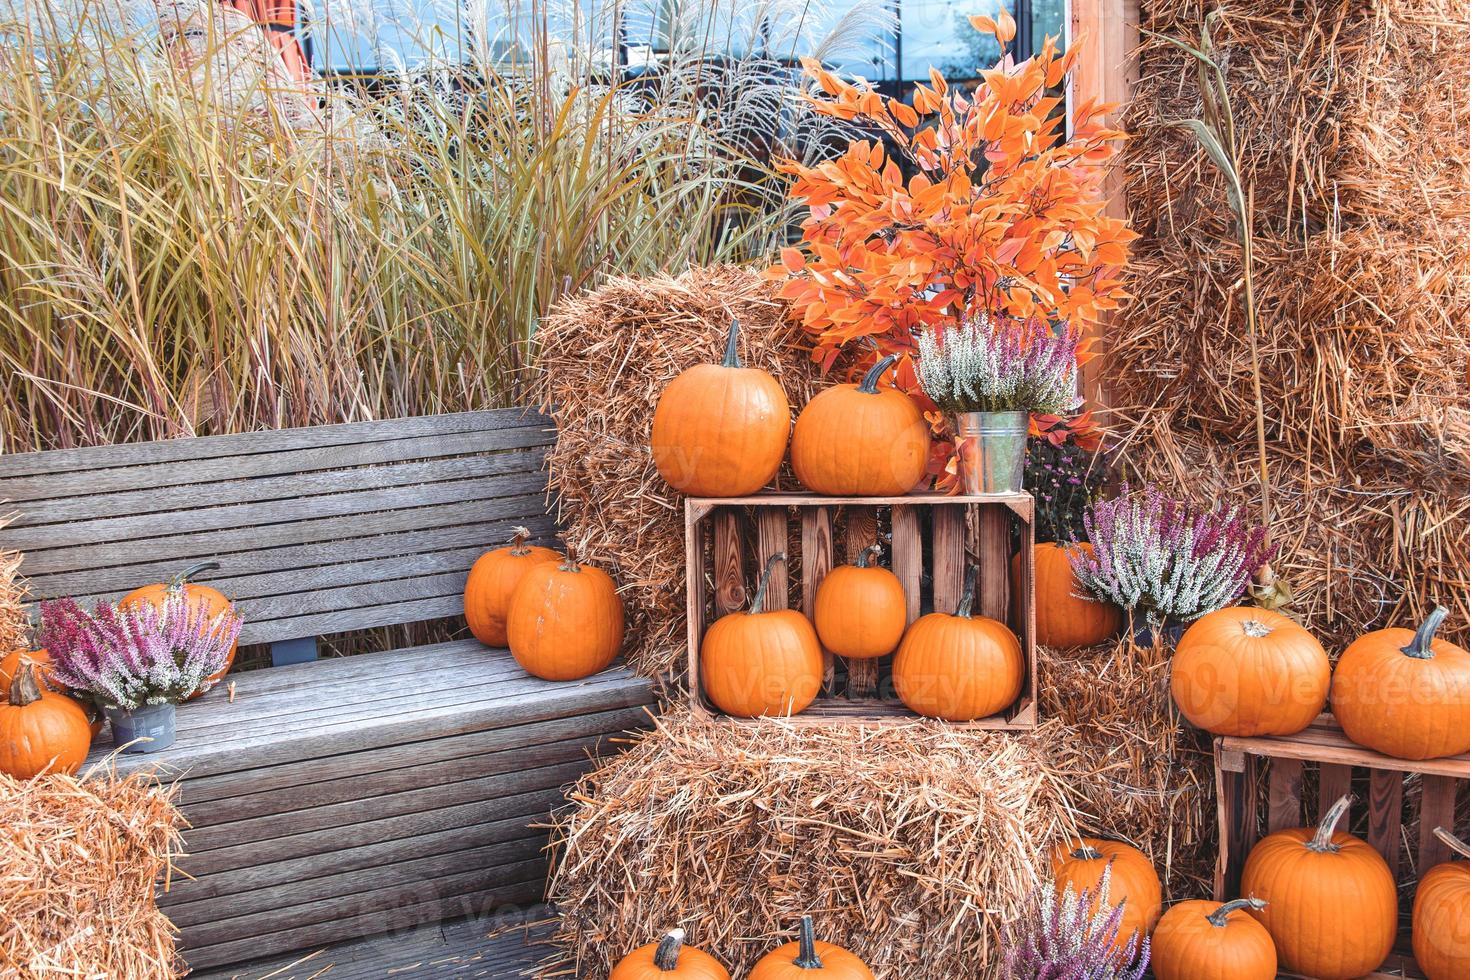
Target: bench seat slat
{"x": 93, "y": 458}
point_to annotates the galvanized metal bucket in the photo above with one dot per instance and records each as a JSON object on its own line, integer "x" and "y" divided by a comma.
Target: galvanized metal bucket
{"x": 992, "y": 449}
{"x": 153, "y": 725}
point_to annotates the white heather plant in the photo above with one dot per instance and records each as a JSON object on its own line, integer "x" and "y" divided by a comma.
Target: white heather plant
{"x": 140, "y": 655}
{"x": 1010, "y": 366}
{"x": 1072, "y": 937}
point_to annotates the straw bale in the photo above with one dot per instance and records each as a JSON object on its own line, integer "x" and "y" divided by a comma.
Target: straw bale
{"x": 911, "y": 845}
{"x": 603, "y": 357}
{"x": 13, "y": 620}
{"x": 77, "y": 876}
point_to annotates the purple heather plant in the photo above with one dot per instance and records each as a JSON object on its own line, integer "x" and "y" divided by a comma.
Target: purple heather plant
{"x": 1072, "y": 937}
{"x": 1168, "y": 559}
{"x": 1009, "y": 366}
{"x": 141, "y": 655}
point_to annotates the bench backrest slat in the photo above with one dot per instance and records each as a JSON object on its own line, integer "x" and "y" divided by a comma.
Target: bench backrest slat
{"x": 318, "y": 530}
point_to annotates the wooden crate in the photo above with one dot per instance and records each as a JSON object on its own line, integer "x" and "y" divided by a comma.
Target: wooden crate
{"x": 931, "y": 539}
{"x": 1341, "y": 767}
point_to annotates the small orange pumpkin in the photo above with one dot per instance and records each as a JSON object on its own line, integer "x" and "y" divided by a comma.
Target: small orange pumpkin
{"x": 565, "y": 620}
{"x": 761, "y": 663}
{"x": 859, "y": 610}
{"x": 1246, "y": 672}
{"x": 720, "y": 430}
{"x": 1333, "y": 910}
{"x": 1066, "y": 616}
{"x": 1442, "y": 916}
{"x": 492, "y": 579}
{"x": 959, "y": 667}
{"x": 1405, "y": 694}
{"x": 808, "y": 959}
{"x": 41, "y": 730}
{"x": 1079, "y": 864}
{"x": 41, "y": 658}
{"x": 860, "y": 440}
{"x": 669, "y": 959}
{"x": 215, "y": 601}
{"x": 1208, "y": 941}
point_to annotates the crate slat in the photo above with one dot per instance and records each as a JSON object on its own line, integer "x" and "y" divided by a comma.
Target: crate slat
{"x": 1436, "y": 809}
{"x": 994, "y": 556}
{"x": 908, "y": 557}
{"x": 948, "y": 565}
{"x": 1284, "y": 806}
{"x": 771, "y": 538}
{"x": 1385, "y": 814}
{"x": 729, "y": 564}
{"x": 862, "y": 531}
{"x": 816, "y": 562}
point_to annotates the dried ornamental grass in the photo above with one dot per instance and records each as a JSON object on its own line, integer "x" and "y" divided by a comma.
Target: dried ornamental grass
{"x": 77, "y": 876}
{"x": 911, "y": 845}
{"x": 603, "y": 358}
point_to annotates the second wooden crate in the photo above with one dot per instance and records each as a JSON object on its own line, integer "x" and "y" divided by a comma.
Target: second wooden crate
{"x": 932, "y": 538}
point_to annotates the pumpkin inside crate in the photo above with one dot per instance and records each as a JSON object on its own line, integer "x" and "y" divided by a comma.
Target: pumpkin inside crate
{"x": 928, "y": 540}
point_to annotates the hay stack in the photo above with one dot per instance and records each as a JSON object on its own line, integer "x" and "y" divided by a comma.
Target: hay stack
{"x": 911, "y": 845}
{"x": 1356, "y": 146}
{"x": 13, "y": 620}
{"x": 77, "y": 874}
{"x": 603, "y": 358}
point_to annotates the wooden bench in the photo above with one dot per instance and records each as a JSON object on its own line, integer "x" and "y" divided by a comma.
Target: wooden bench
{"x": 350, "y": 796}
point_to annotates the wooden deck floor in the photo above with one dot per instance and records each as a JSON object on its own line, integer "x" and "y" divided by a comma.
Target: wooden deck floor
{"x": 500, "y": 948}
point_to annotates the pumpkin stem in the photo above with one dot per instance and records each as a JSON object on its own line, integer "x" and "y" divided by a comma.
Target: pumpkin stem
{"x": 1255, "y": 628}
{"x": 1421, "y": 647}
{"x": 519, "y": 537}
{"x": 1085, "y": 853}
{"x": 1452, "y": 842}
{"x": 869, "y": 555}
{"x": 967, "y": 596}
{"x": 870, "y": 380}
{"x": 1220, "y": 918}
{"x": 732, "y": 355}
{"x": 1322, "y": 841}
{"x": 758, "y": 604}
{"x": 569, "y": 563}
{"x": 666, "y": 957}
{"x": 24, "y": 689}
{"x": 807, "y": 958}
{"x": 177, "y": 583}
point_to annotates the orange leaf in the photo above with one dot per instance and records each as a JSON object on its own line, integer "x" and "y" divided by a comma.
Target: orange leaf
{"x": 905, "y": 115}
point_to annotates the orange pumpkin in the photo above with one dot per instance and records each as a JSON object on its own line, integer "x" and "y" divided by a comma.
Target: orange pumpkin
{"x": 1246, "y": 672}
{"x": 761, "y": 663}
{"x": 1333, "y": 910}
{"x": 860, "y": 440}
{"x": 669, "y": 959}
{"x": 1066, "y": 616}
{"x": 959, "y": 667}
{"x": 492, "y": 580}
{"x": 808, "y": 959}
{"x": 1209, "y": 941}
{"x": 720, "y": 430}
{"x": 214, "y": 600}
{"x": 1079, "y": 864}
{"x": 41, "y": 730}
{"x": 1405, "y": 694}
{"x": 565, "y": 620}
{"x": 42, "y": 660}
{"x": 859, "y": 610}
{"x": 1442, "y": 916}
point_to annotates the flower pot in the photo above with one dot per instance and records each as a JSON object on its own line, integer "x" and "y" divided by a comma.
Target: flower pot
{"x": 1147, "y": 634}
{"x": 992, "y": 448}
{"x": 154, "y": 722}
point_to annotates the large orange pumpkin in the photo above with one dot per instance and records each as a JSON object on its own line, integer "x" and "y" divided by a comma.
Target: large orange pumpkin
{"x": 959, "y": 667}
{"x": 492, "y": 580}
{"x": 720, "y": 430}
{"x": 761, "y": 663}
{"x": 669, "y": 959}
{"x": 1442, "y": 916}
{"x": 214, "y": 601}
{"x": 1209, "y": 941}
{"x": 859, "y": 610}
{"x": 861, "y": 440}
{"x": 1333, "y": 905}
{"x": 41, "y": 730}
{"x": 1066, "y": 616}
{"x": 1405, "y": 694}
{"x": 1246, "y": 672}
{"x": 1078, "y": 865}
{"x": 809, "y": 959}
{"x": 565, "y": 620}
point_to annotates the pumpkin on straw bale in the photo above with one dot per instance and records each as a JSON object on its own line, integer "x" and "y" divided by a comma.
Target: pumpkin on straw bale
{"x": 603, "y": 358}
{"x": 912, "y": 845}
{"x": 77, "y": 876}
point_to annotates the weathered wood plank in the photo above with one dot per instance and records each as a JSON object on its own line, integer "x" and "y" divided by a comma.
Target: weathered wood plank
{"x": 948, "y": 561}
{"x": 908, "y": 557}
{"x": 1284, "y": 801}
{"x": 1436, "y": 809}
{"x": 862, "y": 531}
{"x": 1335, "y": 781}
{"x": 771, "y": 532}
{"x": 729, "y": 563}
{"x": 816, "y": 562}
{"x": 1385, "y": 814}
{"x": 133, "y": 455}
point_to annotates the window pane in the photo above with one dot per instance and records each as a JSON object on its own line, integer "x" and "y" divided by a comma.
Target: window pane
{"x": 937, "y": 33}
